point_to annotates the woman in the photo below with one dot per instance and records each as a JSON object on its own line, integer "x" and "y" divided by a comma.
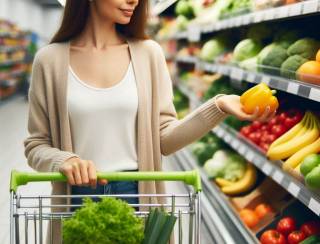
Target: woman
{"x": 101, "y": 99}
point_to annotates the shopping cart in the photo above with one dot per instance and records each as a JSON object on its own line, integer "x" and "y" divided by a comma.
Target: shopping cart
{"x": 30, "y": 214}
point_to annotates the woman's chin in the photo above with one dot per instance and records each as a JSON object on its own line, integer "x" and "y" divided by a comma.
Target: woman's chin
{"x": 124, "y": 20}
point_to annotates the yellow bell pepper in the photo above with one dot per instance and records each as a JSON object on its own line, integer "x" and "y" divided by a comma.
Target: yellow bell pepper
{"x": 259, "y": 96}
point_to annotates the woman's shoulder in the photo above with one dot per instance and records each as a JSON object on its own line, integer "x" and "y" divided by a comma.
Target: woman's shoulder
{"x": 50, "y": 52}
{"x": 150, "y": 46}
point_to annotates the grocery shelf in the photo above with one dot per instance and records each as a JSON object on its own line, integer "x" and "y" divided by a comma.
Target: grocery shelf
{"x": 4, "y": 48}
{"x": 220, "y": 212}
{"x": 162, "y": 6}
{"x": 10, "y": 35}
{"x": 295, "y": 87}
{"x": 282, "y": 12}
{"x": 10, "y": 62}
{"x": 271, "y": 169}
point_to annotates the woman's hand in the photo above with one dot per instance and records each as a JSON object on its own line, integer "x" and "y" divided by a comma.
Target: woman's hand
{"x": 230, "y": 104}
{"x": 80, "y": 172}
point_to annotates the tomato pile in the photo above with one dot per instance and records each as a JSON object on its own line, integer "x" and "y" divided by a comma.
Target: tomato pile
{"x": 287, "y": 232}
{"x": 263, "y": 134}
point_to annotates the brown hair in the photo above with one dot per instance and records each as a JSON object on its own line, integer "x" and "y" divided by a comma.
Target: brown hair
{"x": 76, "y": 14}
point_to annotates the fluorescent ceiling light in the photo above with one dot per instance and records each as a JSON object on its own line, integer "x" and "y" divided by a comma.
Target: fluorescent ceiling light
{"x": 62, "y": 2}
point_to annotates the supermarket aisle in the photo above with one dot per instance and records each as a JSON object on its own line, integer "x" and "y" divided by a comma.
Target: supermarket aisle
{"x": 13, "y": 130}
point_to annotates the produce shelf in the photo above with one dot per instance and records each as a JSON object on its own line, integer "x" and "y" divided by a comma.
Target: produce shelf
{"x": 231, "y": 228}
{"x": 161, "y": 6}
{"x": 295, "y": 87}
{"x": 271, "y": 14}
{"x": 270, "y": 168}
{"x": 10, "y": 49}
{"x": 10, "y": 62}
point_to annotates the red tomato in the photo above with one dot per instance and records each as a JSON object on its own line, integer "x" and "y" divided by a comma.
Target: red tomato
{"x": 289, "y": 122}
{"x": 256, "y": 125}
{"x": 255, "y": 137}
{"x": 283, "y": 116}
{"x": 296, "y": 237}
{"x": 286, "y": 225}
{"x": 278, "y": 130}
{"x": 272, "y": 237}
{"x": 246, "y": 130}
{"x": 311, "y": 228}
{"x": 272, "y": 122}
{"x": 264, "y": 128}
{"x": 264, "y": 146}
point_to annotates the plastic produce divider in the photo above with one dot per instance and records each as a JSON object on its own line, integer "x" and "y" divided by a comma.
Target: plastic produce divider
{"x": 189, "y": 177}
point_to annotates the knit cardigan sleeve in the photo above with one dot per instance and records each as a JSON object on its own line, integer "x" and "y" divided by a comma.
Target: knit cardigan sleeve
{"x": 176, "y": 134}
{"x": 41, "y": 154}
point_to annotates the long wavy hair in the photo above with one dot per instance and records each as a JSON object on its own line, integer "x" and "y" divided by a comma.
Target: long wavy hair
{"x": 76, "y": 13}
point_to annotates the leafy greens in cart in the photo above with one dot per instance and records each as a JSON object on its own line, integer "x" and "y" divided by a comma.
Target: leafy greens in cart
{"x": 106, "y": 222}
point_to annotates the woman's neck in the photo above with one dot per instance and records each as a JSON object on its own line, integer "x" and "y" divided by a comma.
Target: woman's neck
{"x": 98, "y": 33}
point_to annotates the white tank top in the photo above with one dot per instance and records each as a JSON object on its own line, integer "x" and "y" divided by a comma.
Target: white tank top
{"x": 103, "y": 122}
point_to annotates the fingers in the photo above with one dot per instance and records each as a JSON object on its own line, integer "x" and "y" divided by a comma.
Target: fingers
{"x": 103, "y": 182}
{"x": 67, "y": 171}
{"x": 92, "y": 174}
{"x": 76, "y": 173}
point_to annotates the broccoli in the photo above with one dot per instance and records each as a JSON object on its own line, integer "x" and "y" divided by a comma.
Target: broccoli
{"x": 273, "y": 56}
{"x": 306, "y": 48}
{"x": 289, "y": 67}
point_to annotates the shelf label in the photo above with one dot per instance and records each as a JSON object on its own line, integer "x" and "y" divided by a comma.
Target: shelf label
{"x": 314, "y": 206}
{"x": 295, "y": 9}
{"x": 268, "y": 14}
{"x": 293, "y": 88}
{"x": 236, "y": 74}
{"x": 251, "y": 77}
{"x": 246, "y": 19}
{"x": 310, "y": 6}
{"x": 194, "y": 33}
{"x": 227, "y": 138}
{"x": 250, "y": 156}
{"x": 278, "y": 176}
{"x": 235, "y": 144}
{"x": 242, "y": 149}
{"x": 265, "y": 79}
{"x": 294, "y": 189}
{"x": 258, "y": 17}
{"x": 315, "y": 94}
{"x": 267, "y": 168}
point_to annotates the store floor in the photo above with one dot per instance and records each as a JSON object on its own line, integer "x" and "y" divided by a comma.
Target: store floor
{"x": 13, "y": 130}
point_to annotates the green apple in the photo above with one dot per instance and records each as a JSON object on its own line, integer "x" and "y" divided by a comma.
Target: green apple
{"x": 313, "y": 178}
{"x": 308, "y": 163}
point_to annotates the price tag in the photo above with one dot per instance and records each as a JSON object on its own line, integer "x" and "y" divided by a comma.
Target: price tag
{"x": 310, "y": 6}
{"x": 218, "y": 25}
{"x": 246, "y": 19}
{"x": 219, "y": 132}
{"x": 295, "y": 9}
{"x": 294, "y": 189}
{"x": 235, "y": 144}
{"x": 194, "y": 33}
{"x": 267, "y": 168}
{"x": 283, "y": 12}
{"x": 293, "y": 88}
{"x": 251, "y": 77}
{"x": 265, "y": 79}
{"x": 242, "y": 149}
{"x": 249, "y": 156}
{"x": 314, "y": 206}
{"x": 315, "y": 94}
{"x": 228, "y": 138}
{"x": 258, "y": 16}
{"x": 236, "y": 74}
{"x": 268, "y": 14}
{"x": 237, "y": 21}
{"x": 278, "y": 176}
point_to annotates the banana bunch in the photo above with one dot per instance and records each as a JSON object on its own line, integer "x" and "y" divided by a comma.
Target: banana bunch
{"x": 298, "y": 142}
{"x": 240, "y": 186}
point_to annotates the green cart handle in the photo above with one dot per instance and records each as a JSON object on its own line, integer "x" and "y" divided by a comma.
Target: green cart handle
{"x": 189, "y": 177}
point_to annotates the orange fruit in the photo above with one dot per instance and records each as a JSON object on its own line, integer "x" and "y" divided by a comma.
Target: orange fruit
{"x": 310, "y": 72}
{"x": 318, "y": 56}
{"x": 249, "y": 217}
{"x": 262, "y": 210}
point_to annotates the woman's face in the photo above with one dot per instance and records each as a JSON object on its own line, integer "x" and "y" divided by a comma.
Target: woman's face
{"x": 117, "y": 11}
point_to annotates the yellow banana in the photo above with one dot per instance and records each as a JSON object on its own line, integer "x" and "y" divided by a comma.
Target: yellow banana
{"x": 295, "y": 160}
{"x": 244, "y": 184}
{"x": 292, "y": 146}
{"x": 294, "y": 131}
{"x": 222, "y": 182}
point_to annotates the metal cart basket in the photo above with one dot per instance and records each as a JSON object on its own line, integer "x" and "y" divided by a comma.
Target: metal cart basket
{"x": 31, "y": 216}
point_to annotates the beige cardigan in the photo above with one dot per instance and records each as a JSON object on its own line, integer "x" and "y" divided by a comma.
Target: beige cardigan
{"x": 158, "y": 130}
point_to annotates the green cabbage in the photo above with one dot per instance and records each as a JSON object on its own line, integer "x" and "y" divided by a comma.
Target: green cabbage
{"x": 235, "y": 167}
{"x": 212, "y": 49}
{"x": 184, "y": 8}
{"x": 246, "y": 49}
{"x": 106, "y": 222}
{"x": 215, "y": 166}
{"x": 286, "y": 38}
{"x": 249, "y": 64}
{"x": 289, "y": 67}
{"x": 306, "y": 48}
{"x": 181, "y": 23}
